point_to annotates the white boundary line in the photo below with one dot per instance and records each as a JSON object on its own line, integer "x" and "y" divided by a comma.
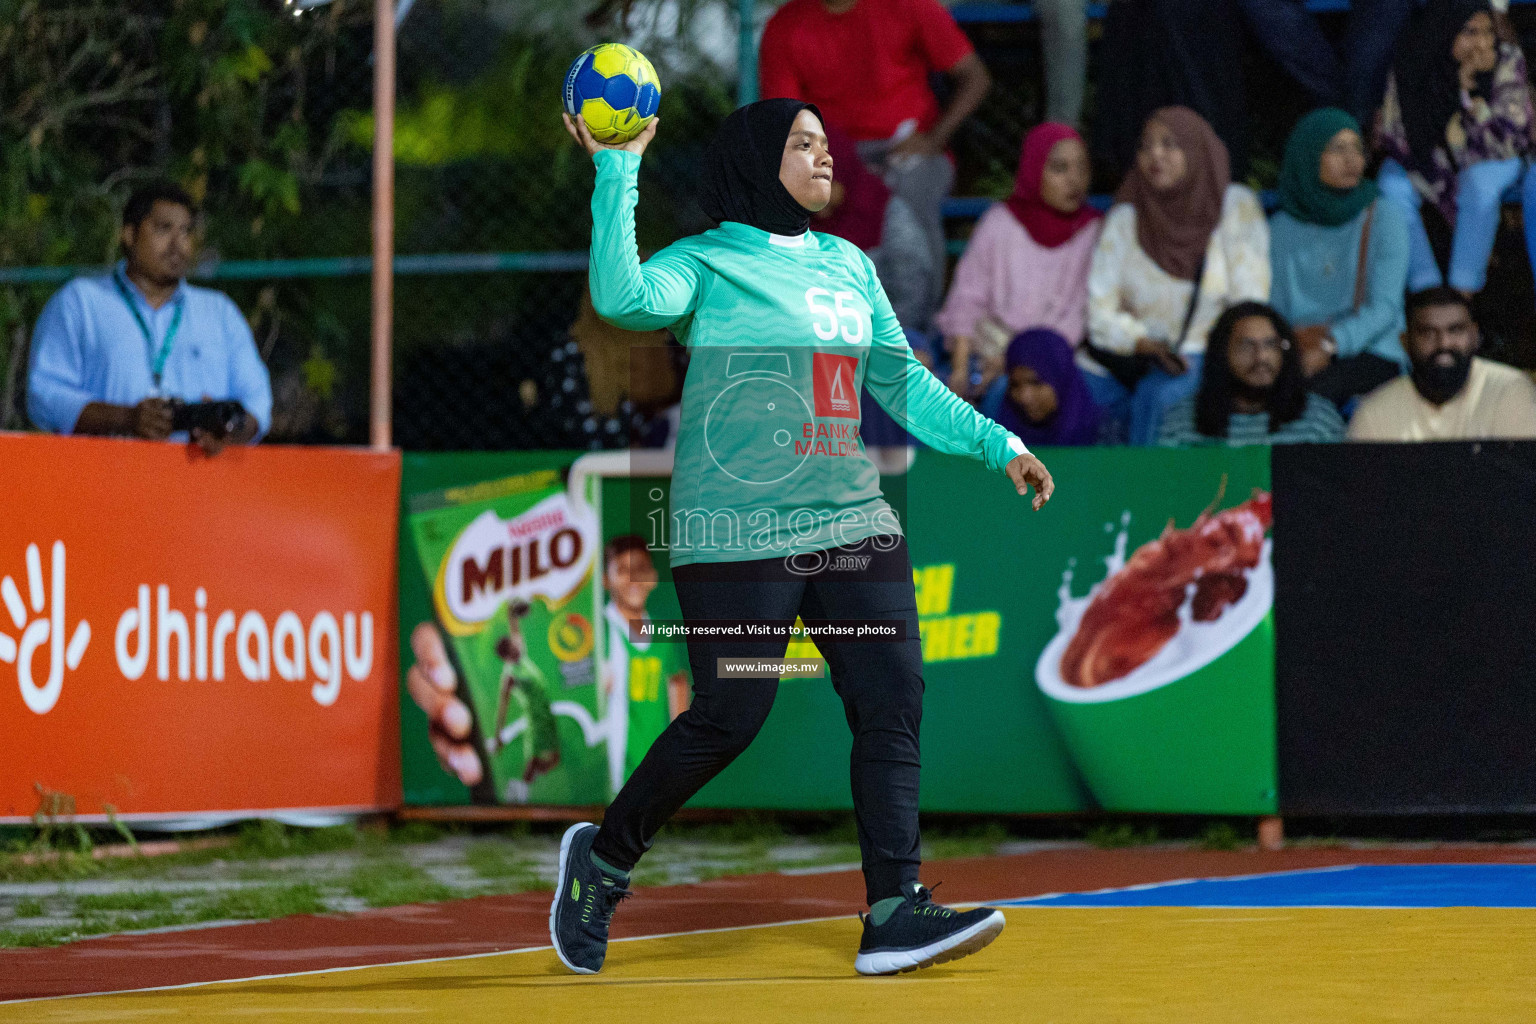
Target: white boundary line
{"x": 409, "y": 963}
{"x": 1027, "y": 901}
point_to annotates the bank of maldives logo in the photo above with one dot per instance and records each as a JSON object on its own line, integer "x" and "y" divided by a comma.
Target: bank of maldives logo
{"x": 40, "y": 631}
{"x": 834, "y": 391}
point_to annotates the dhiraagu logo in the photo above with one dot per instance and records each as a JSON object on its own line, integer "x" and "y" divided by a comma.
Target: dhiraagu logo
{"x": 40, "y": 624}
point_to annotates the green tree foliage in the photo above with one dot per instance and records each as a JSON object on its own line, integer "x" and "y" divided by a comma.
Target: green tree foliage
{"x": 266, "y": 119}
{"x": 228, "y": 97}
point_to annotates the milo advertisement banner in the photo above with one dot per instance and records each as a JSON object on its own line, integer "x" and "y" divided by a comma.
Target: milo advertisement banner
{"x": 509, "y": 563}
{"x": 1114, "y": 651}
{"x": 563, "y": 693}
{"x": 1167, "y": 660}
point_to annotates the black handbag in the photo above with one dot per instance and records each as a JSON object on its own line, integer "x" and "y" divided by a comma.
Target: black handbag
{"x": 1129, "y": 369}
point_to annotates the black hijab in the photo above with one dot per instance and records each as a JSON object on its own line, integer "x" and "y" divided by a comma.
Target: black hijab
{"x": 741, "y": 168}
{"x": 1428, "y": 77}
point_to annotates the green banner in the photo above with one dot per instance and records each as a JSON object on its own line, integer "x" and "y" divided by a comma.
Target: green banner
{"x": 426, "y": 482}
{"x": 1156, "y": 710}
{"x": 564, "y": 696}
{"x": 1114, "y": 650}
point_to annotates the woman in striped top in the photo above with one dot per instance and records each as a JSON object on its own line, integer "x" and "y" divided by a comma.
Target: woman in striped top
{"x": 1251, "y": 388}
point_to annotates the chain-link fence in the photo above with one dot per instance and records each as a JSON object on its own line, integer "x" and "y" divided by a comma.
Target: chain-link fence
{"x": 266, "y": 117}
{"x": 264, "y": 112}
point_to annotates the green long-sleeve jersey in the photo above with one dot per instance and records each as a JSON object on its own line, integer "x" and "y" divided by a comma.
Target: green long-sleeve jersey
{"x": 782, "y": 332}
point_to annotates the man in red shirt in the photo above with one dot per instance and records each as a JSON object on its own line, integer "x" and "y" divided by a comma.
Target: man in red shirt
{"x": 865, "y": 64}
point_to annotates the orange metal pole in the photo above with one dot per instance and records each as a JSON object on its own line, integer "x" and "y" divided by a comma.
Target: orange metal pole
{"x": 380, "y": 405}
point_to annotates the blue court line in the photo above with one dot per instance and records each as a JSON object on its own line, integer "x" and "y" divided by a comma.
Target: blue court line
{"x": 1364, "y": 885}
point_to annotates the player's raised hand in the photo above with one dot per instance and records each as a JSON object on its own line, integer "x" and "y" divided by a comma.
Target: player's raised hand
{"x": 583, "y": 135}
{"x": 1026, "y": 470}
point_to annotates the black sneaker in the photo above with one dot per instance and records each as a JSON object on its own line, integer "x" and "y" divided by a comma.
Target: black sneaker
{"x": 583, "y": 904}
{"x": 921, "y": 933}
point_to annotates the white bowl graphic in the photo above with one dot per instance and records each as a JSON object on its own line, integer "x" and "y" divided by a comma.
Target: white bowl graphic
{"x": 1194, "y": 646}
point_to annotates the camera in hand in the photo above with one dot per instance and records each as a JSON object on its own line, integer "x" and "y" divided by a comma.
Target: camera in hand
{"x": 219, "y": 419}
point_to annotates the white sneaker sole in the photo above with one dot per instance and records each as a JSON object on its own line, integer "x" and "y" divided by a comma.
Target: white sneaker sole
{"x": 951, "y": 947}
{"x": 560, "y": 884}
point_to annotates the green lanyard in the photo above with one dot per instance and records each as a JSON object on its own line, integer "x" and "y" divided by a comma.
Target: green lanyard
{"x": 156, "y": 359}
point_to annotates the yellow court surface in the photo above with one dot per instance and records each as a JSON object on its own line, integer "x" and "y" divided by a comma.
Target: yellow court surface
{"x": 1058, "y": 965}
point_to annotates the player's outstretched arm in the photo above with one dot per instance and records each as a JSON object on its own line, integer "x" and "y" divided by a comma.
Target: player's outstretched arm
{"x": 626, "y": 293}
{"x": 941, "y": 419}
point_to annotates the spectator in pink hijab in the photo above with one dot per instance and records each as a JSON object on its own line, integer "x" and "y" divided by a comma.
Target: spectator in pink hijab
{"x": 1026, "y": 264}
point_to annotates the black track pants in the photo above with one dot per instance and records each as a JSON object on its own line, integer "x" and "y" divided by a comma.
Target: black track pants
{"x": 880, "y": 682}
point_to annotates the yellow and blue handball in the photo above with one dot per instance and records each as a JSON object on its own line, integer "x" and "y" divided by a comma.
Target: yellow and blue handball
{"x": 615, "y": 90}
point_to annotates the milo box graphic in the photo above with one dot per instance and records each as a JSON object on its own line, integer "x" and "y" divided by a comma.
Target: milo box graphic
{"x": 509, "y": 563}
{"x": 1150, "y": 676}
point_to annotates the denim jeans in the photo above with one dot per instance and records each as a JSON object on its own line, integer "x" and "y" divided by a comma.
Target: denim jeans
{"x": 1064, "y": 45}
{"x": 1480, "y": 192}
{"x": 1114, "y": 404}
{"x": 1141, "y": 411}
{"x": 1292, "y": 36}
{"x": 925, "y": 183}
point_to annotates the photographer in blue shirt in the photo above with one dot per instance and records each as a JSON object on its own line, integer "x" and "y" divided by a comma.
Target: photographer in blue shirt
{"x": 123, "y": 353}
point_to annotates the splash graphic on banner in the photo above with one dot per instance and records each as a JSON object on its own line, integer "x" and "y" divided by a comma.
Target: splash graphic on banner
{"x": 1180, "y": 602}
{"x": 1168, "y": 661}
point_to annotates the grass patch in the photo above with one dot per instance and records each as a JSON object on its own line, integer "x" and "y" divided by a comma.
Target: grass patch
{"x": 255, "y": 840}
{"x": 1222, "y": 836}
{"x": 20, "y": 938}
{"x": 146, "y": 899}
{"x": 1117, "y": 837}
{"x": 844, "y": 830}
{"x": 494, "y": 861}
{"x": 258, "y": 902}
{"x": 645, "y": 876}
{"x": 29, "y": 908}
{"x": 70, "y": 866}
{"x": 13, "y": 938}
{"x": 523, "y": 881}
{"x": 260, "y": 873}
{"x": 390, "y": 883}
{"x": 135, "y": 911}
{"x": 267, "y": 838}
{"x": 841, "y": 853}
{"x": 416, "y": 832}
{"x": 978, "y": 841}
{"x": 751, "y": 827}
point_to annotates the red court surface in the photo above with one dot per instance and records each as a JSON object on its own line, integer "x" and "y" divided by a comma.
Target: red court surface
{"x": 494, "y": 923}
